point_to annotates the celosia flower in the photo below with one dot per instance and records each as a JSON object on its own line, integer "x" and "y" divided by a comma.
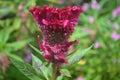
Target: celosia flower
{"x": 115, "y": 36}
{"x": 95, "y": 5}
{"x": 56, "y": 25}
{"x": 116, "y": 12}
{"x": 91, "y": 19}
{"x": 85, "y": 6}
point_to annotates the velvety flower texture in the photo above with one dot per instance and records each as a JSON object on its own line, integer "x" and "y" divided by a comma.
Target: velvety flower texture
{"x": 56, "y": 25}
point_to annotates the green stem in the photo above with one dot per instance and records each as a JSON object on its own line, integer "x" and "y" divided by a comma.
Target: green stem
{"x": 54, "y": 76}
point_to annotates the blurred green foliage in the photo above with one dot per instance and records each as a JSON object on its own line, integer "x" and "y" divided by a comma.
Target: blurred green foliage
{"x": 18, "y": 29}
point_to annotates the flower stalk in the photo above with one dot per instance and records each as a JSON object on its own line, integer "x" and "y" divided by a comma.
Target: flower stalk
{"x": 54, "y": 70}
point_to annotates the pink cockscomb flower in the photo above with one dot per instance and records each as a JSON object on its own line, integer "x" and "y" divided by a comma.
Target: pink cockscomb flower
{"x": 115, "y": 36}
{"x": 116, "y": 12}
{"x": 95, "y": 5}
{"x": 97, "y": 45}
{"x": 85, "y": 6}
{"x": 56, "y": 25}
{"x": 91, "y": 19}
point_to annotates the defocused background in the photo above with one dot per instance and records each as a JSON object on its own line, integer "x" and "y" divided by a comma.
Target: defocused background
{"x": 99, "y": 24}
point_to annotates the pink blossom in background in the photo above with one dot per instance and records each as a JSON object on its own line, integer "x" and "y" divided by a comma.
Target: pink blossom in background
{"x": 95, "y": 5}
{"x": 90, "y": 31}
{"x": 115, "y": 36}
{"x": 80, "y": 78}
{"x": 85, "y": 6}
{"x": 28, "y": 56}
{"x": 97, "y": 45}
{"x": 115, "y": 26}
{"x": 116, "y": 12}
{"x": 61, "y": 2}
{"x": 91, "y": 19}
{"x": 20, "y": 7}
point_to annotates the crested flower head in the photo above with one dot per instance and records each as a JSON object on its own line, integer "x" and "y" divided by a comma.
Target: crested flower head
{"x": 56, "y": 25}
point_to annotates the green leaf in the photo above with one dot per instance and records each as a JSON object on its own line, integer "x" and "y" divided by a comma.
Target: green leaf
{"x": 4, "y": 35}
{"x": 78, "y": 55}
{"x": 4, "y": 12}
{"x": 34, "y": 48}
{"x": 25, "y": 68}
{"x": 38, "y": 51}
{"x": 14, "y": 56}
{"x": 65, "y": 72}
{"x": 53, "y": 1}
{"x": 38, "y": 65}
{"x": 17, "y": 23}
{"x": 77, "y": 34}
{"x": 16, "y": 45}
{"x": 60, "y": 77}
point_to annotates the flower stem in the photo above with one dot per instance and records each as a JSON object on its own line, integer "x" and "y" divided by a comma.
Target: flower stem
{"x": 54, "y": 76}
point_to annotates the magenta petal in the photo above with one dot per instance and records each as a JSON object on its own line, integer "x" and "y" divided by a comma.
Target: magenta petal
{"x": 45, "y": 22}
{"x": 60, "y": 58}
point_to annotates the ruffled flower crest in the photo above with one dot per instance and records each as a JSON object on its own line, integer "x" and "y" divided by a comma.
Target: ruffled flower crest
{"x": 56, "y": 25}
